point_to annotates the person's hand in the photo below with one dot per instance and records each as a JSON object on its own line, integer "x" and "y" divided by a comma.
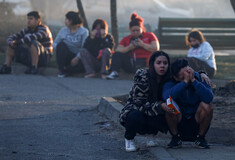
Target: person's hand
{"x": 206, "y": 79}
{"x": 131, "y": 46}
{"x": 186, "y": 76}
{"x": 103, "y": 33}
{"x": 140, "y": 43}
{"x": 167, "y": 109}
{"x": 13, "y": 44}
{"x": 191, "y": 74}
{"x": 74, "y": 61}
{"x": 93, "y": 33}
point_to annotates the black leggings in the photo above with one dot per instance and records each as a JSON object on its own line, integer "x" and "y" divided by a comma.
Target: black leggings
{"x": 64, "y": 57}
{"x": 138, "y": 122}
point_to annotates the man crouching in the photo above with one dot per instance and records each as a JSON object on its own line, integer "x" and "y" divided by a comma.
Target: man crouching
{"x": 194, "y": 98}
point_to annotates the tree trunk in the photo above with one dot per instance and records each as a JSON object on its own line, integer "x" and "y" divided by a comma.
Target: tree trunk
{"x": 233, "y": 4}
{"x": 114, "y": 21}
{"x": 80, "y": 9}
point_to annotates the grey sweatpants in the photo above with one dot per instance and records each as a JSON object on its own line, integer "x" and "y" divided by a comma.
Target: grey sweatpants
{"x": 92, "y": 64}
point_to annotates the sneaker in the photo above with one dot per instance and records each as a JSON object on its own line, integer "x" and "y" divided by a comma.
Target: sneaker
{"x": 130, "y": 146}
{"x": 175, "y": 142}
{"x": 151, "y": 141}
{"x": 201, "y": 142}
{"x": 5, "y": 69}
{"x": 31, "y": 70}
{"x": 61, "y": 75}
{"x": 112, "y": 75}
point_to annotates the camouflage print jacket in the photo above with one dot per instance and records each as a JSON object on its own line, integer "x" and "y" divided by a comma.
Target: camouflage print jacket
{"x": 139, "y": 97}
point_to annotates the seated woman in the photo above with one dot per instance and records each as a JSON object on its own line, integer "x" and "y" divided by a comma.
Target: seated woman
{"x": 97, "y": 49}
{"x": 68, "y": 43}
{"x": 145, "y": 108}
{"x": 134, "y": 50}
{"x": 200, "y": 55}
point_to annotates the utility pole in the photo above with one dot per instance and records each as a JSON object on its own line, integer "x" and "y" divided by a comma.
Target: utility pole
{"x": 80, "y": 9}
{"x": 114, "y": 21}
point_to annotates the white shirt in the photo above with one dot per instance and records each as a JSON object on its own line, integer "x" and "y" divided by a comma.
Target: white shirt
{"x": 204, "y": 53}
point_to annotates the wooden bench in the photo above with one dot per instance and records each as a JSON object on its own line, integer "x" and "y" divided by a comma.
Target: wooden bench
{"x": 219, "y": 32}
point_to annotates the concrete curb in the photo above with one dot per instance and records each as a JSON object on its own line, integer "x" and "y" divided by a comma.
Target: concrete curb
{"x": 111, "y": 108}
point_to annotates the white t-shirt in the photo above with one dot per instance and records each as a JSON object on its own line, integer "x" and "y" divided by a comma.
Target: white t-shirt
{"x": 204, "y": 53}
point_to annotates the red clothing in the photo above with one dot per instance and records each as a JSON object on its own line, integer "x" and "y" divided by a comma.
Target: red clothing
{"x": 147, "y": 37}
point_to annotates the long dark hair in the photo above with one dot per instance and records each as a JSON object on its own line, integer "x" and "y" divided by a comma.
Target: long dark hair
{"x": 155, "y": 85}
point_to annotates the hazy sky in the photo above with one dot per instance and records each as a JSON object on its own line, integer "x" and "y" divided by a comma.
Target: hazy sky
{"x": 150, "y": 10}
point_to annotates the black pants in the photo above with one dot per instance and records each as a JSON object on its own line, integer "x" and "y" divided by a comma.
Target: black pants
{"x": 138, "y": 122}
{"x": 64, "y": 57}
{"x": 122, "y": 60}
{"x": 23, "y": 55}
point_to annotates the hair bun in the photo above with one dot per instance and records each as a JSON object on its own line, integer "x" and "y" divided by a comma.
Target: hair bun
{"x": 134, "y": 16}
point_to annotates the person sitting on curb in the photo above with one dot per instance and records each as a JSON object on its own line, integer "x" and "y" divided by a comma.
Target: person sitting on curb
{"x": 68, "y": 43}
{"x": 194, "y": 99}
{"x": 145, "y": 108}
{"x": 31, "y": 46}
{"x": 97, "y": 49}
{"x": 134, "y": 50}
{"x": 200, "y": 55}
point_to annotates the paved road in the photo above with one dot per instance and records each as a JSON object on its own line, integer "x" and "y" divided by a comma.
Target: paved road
{"x": 52, "y": 118}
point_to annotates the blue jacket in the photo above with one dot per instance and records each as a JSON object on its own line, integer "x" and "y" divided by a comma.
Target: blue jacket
{"x": 188, "y": 96}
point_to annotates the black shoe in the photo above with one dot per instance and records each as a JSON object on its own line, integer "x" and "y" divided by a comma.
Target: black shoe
{"x": 31, "y": 70}
{"x": 5, "y": 69}
{"x": 201, "y": 142}
{"x": 175, "y": 142}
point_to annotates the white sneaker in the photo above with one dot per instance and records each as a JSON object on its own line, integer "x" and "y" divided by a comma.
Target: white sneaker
{"x": 112, "y": 75}
{"x": 130, "y": 145}
{"x": 151, "y": 141}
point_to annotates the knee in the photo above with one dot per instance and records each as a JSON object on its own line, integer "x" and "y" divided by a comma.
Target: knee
{"x": 60, "y": 46}
{"x": 83, "y": 52}
{"x": 134, "y": 117}
{"x": 106, "y": 51}
{"x": 34, "y": 44}
{"x": 207, "y": 108}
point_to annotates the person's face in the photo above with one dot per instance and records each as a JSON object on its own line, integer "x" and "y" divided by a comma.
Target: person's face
{"x": 181, "y": 73}
{"x": 194, "y": 42}
{"x": 98, "y": 27}
{"x": 67, "y": 22}
{"x": 32, "y": 22}
{"x": 136, "y": 31}
{"x": 161, "y": 65}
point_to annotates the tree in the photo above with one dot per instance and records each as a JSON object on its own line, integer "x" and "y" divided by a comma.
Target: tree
{"x": 233, "y": 4}
{"x": 114, "y": 21}
{"x": 80, "y": 9}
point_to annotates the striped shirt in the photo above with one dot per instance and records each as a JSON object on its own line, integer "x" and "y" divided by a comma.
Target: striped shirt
{"x": 41, "y": 34}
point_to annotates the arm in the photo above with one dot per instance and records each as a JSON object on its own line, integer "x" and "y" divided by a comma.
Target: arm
{"x": 41, "y": 33}
{"x": 58, "y": 38}
{"x": 153, "y": 46}
{"x": 122, "y": 49}
{"x": 14, "y": 39}
{"x": 206, "y": 51}
{"x": 173, "y": 90}
{"x": 203, "y": 90}
{"x": 109, "y": 42}
{"x": 140, "y": 95}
